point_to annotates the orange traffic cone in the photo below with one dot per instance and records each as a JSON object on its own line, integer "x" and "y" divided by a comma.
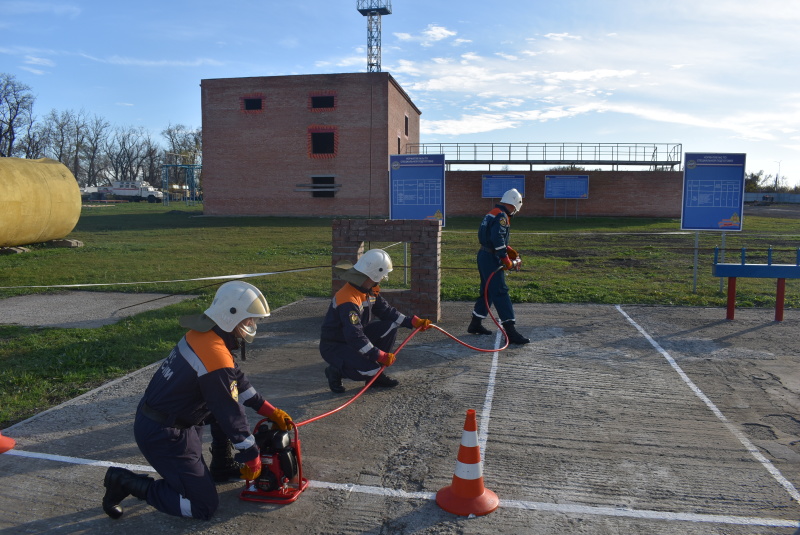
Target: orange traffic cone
{"x": 6, "y": 443}
{"x": 466, "y": 495}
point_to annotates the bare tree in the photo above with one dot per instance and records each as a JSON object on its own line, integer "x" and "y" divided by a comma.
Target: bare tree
{"x": 184, "y": 148}
{"x": 153, "y": 158}
{"x": 33, "y": 143}
{"x": 91, "y": 148}
{"x": 16, "y": 112}
{"x": 94, "y": 157}
{"x": 184, "y": 143}
{"x": 127, "y": 153}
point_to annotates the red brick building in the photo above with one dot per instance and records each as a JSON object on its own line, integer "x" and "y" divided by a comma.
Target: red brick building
{"x": 319, "y": 145}
{"x": 303, "y": 145}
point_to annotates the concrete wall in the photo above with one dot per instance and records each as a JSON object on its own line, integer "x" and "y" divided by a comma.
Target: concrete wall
{"x": 254, "y": 161}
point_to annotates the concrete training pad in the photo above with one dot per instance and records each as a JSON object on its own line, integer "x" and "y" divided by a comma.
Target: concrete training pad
{"x": 588, "y": 429}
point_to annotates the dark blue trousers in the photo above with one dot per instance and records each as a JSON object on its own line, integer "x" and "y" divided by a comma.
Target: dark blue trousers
{"x": 498, "y": 290}
{"x": 353, "y": 364}
{"x": 187, "y": 488}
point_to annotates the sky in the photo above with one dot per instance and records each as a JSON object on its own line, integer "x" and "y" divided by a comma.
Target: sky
{"x": 712, "y": 75}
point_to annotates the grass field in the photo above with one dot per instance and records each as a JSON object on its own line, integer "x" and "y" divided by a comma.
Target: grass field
{"x": 128, "y": 246}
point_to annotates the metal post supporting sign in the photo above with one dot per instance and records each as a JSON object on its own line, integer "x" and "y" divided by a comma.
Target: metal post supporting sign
{"x": 713, "y": 194}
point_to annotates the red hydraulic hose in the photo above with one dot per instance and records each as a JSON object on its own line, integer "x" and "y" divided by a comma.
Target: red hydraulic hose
{"x": 408, "y": 338}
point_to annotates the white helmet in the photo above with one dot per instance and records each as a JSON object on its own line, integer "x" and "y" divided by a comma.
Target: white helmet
{"x": 235, "y": 302}
{"x": 513, "y": 198}
{"x": 375, "y": 264}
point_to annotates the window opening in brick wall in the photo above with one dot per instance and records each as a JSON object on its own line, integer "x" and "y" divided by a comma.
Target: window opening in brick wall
{"x": 253, "y": 103}
{"x": 398, "y": 144}
{"x": 400, "y": 253}
{"x": 322, "y": 141}
{"x": 323, "y": 102}
{"x": 406, "y": 124}
{"x": 323, "y": 186}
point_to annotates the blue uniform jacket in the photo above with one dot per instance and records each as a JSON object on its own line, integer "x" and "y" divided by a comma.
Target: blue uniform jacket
{"x": 200, "y": 378}
{"x": 495, "y": 231}
{"x": 351, "y": 309}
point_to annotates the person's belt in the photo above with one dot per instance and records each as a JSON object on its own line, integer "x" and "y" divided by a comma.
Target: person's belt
{"x": 163, "y": 418}
{"x": 488, "y": 249}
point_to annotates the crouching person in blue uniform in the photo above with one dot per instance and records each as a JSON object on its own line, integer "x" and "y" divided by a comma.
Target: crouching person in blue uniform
{"x": 198, "y": 384}
{"x": 360, "y": 327}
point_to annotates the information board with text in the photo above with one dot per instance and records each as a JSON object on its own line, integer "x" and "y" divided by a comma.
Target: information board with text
{"x": 713, "y": 191}
{"x": 416, "y": 186}
{"x": 494, "y": 186}
{"x": 566, "y": 186}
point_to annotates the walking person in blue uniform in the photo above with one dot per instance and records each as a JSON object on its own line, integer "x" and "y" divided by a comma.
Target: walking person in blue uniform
{"x": 353, "y": 345}
{"x": 198, "y": 384}
{"x": 495, "y": 252}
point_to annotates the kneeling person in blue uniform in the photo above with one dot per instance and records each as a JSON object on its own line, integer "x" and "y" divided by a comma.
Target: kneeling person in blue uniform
{"x": 352, "y": 343}
{"x": 198, "y": 384}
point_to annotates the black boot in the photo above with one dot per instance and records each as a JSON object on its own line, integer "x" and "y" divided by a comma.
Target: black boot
{"x": 119, "y": 484}
{"x": 513, "y": 335}
{"x": 223, "y": 466}
{"x": 334, "y": 380}
{"x": 385, "y": 381}
{"x": 475, "y": 326}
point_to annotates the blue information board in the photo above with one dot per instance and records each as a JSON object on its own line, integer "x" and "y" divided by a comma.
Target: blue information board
{"x": 566, "y": 186}
{"x": 713, "y": 191}
{"x": 416, "y": 186}
{"x": 494, "y": 186}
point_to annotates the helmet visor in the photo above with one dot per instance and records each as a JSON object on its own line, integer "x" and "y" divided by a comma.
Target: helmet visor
{"x": 246, "y": 330}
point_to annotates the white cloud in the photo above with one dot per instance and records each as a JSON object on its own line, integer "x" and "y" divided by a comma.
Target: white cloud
{"x": 561, "y": 36}
{"x": 33, "y": 60}
{"x": 137, "y": 62}
{"x": 32, "y": 70}
{"x": 430, "y": 35}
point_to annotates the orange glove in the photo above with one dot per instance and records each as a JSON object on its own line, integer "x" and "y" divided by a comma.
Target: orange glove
{"x": 387, "y": 359}
{"x": 512, "y": 253}
{"x": 281, "y": 419}
{"x": 251, "y": 469}
{"x": 507, "y": 263}
{"x": 420, "y": 323}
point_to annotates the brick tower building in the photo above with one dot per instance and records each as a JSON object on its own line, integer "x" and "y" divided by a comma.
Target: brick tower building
{"x": 303, "y": 145}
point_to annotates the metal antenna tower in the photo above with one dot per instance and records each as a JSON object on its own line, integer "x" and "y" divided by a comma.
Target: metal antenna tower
{"x": 373, "y": 9}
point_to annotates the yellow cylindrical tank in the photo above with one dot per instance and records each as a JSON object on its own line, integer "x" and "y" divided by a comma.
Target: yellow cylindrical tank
{"x": 39, "y": 201}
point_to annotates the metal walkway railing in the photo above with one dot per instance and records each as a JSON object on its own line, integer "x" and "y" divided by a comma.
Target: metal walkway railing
{"x": 652, "y": 155}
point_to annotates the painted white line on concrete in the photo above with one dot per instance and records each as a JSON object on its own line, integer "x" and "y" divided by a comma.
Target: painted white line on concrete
{"x": 78, "y": 460}
{"x": 561, "y": 508}
{"x": 785, "y": 483}
{"x": 650, "y": 515}
{"x": 486, "y": 411}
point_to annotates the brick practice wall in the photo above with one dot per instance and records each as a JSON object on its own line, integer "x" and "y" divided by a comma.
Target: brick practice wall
{"x": 254, "y": 161}
{"x": 611, "y": 194}
{"x": 425, "y": 240}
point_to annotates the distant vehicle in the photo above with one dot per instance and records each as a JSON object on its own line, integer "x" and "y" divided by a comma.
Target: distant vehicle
{"x": 132, "y": 190}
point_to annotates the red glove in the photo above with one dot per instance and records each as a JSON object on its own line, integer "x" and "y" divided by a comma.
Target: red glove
{"x": 420, "y": 323}
{"x": 251, "y": 469}
{"x": 266, "y": 409}
{"x": 507, "y": 263}
{"x": 387, "y": 359}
